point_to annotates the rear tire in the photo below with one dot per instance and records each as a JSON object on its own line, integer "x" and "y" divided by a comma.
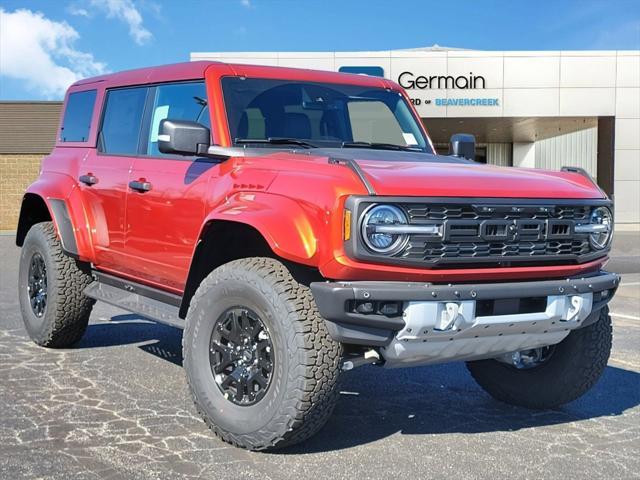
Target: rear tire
{"x": 304, "y": 361}
{"x": 574, "y": 367}
{"x": 51, "y": 285}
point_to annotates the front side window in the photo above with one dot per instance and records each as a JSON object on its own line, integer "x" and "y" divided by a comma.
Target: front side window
{"x": 178, "y": 101}
{"x": 321, "y": 114}
{"x": 122, "y": 121}
{"x": 77, "y": 116}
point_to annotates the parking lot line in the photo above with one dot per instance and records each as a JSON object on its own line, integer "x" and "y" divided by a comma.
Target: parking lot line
{"x": 623, "y": 363}
{"x": 622, "y": 315}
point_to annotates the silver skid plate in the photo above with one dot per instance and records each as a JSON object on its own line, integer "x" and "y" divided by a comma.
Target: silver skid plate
{"x": 437, "y": 332}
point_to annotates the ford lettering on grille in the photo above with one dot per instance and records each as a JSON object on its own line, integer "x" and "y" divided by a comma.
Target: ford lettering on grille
{"x": 507, "y": 231}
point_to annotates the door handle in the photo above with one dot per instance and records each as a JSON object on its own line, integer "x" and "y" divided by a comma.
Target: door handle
{"x": 88, "y": 179}
{"x": 140, "y": 185}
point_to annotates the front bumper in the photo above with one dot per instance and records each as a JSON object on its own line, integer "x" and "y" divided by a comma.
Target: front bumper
{"x": 438, "y": 323}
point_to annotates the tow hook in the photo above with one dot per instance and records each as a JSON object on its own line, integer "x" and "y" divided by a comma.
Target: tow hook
{"x": 370, "y": 356}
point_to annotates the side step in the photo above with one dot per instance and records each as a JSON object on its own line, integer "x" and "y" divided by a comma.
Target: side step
{"x": 146, "y": 301}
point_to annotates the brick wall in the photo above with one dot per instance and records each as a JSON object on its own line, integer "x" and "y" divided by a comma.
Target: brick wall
{"x": 17, "y": 171}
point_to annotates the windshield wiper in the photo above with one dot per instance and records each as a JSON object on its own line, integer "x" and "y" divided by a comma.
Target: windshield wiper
{"x": 276, "y": 141}
{"x": 380, "y": 146}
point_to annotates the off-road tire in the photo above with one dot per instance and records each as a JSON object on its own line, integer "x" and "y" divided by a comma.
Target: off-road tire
{"x": 303, "y": 388}
{"x": 574, "y": 367}
{"x": 67, "y": 311}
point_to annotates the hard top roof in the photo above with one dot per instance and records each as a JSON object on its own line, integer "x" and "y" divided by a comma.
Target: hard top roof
{"x": 197, "y": 70}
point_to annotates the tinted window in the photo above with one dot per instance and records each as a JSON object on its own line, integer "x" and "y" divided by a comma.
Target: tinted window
{"x": 77, "y": 116}
{"x": 122, "y": 121}
{"x": 178, "y": 101}
{"x": 323, "y": 114}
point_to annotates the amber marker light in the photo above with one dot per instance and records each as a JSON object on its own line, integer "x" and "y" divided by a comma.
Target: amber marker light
{"x": 347, "y": 224}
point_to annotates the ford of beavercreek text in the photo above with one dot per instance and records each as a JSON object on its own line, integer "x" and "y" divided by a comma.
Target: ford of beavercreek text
{"x": 296, "y": 224}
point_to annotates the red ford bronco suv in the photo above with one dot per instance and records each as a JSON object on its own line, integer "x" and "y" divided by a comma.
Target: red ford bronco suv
{"x": 298, "y": 223}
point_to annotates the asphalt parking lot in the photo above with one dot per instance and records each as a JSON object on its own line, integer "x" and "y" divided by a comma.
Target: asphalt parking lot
{"x": 117, "y": 406}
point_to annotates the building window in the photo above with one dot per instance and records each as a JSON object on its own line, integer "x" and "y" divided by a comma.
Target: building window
{"x": 363, "y": 70}
{"x": 122, "y": 121}
{"x": 77, "y": 116}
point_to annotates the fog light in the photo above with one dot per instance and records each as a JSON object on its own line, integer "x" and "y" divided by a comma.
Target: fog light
{"x": 605, "y": 294}
{"x": 365, "y": 307}
{"x": 390, "y": 309}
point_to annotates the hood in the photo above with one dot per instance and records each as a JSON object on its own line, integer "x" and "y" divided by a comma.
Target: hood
{"x": 417, "y": 174}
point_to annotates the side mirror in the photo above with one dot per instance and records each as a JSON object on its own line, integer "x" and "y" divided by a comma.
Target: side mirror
{"x": 463, "y": 145}
{"x": 183, "y": 137}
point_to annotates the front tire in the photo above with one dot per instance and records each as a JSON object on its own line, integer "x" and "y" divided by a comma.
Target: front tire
{"x": 51, "y": 285}
{"x": 281, "y": 391}
{"x": 574, "y": 366}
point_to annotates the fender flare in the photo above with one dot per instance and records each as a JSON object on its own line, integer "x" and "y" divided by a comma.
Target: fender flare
{"x": 62, "y": 221}
{"x": 61, "y": 196}
{"x": 294, "y": 235}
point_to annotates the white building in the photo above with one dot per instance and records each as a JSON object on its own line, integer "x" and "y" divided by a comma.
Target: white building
{"x": 529, "y": 109}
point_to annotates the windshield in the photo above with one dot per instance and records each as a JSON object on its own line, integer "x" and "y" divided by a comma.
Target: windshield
{"x": 319, "y": 114}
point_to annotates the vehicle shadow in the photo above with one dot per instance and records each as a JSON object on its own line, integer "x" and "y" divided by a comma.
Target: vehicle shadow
{"x": 163, "y": 341}
{"x": 376, "y": 403}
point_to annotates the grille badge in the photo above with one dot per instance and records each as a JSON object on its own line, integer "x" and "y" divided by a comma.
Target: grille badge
{"x": 484, "y": 209}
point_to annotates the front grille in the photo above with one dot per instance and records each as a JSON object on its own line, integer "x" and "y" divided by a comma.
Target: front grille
{"x": 420, "y": 213}
{"x": 418, "y": 249}
{"x": 496, "y": 232}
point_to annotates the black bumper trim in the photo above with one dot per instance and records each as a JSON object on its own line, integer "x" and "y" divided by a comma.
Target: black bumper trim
{"x": 332, "y": 297}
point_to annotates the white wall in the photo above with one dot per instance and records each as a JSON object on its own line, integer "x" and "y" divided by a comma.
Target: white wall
{"x": 499, "y": 154}
{"x": 575, "y": 149}
{"x": 524, "y": 154}
{"x": 627, "y": 140}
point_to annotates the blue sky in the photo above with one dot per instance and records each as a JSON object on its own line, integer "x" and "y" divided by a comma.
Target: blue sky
{"x": 47, "y": 44}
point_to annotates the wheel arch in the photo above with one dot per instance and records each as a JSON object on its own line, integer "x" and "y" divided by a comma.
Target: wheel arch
{"x": 222, "y": 241}
{"x": 34, "y": 209}
{"x": 56, "y": 198}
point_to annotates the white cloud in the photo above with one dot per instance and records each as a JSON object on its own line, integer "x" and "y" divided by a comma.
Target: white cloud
{"x": 127, "y": 12}
{"x": 246, "y": 3}
{"x": 41, "y": 52}
{"x": 78, "y": 11}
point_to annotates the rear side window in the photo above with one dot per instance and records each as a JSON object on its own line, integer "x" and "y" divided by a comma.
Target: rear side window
{"x": 77, "y": 116}
{"x": 177, "y": 101}
{"x": 122, "y": 120}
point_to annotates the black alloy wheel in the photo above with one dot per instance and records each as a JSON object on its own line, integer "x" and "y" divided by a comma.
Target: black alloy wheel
{"x": 241, "y": 356}
{"x": 37, "y": 284}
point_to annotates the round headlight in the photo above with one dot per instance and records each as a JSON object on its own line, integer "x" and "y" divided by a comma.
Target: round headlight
{"x": 601, "y": 216}
{"x": 376, "y": 236}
